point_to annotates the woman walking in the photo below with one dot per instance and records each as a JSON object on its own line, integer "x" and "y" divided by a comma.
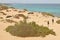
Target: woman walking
{"x": 52, "y": 20}
{"x": 48, "y": 23}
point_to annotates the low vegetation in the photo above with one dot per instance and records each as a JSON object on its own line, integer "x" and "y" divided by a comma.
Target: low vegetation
{"x": 20, "y": 15}
{"x": 3, "y": 13}
{"x": 24, "y": 29}
{"x": 12, "y": 7}
{"x": 58, "y": 21}
{"x": 8, "y": 16}
{"x": 1, "y": 17}
{"x": 25, "y": 10}
{"x": 3, "y": 7}
{"x": 48, "y": 14}
{"x": 10, "y": 21}
{"x": 30, "y": 13}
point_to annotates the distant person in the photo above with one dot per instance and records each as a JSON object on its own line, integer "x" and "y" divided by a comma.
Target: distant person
{"x": 52, "y": 20}
{"x": 48, "y": 23}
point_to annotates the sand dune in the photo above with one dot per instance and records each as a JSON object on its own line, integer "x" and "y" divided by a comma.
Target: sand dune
{"x": 36, "y": 17}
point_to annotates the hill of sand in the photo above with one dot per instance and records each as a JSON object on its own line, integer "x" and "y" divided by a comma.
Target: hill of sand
{"x": 35, "y": 16}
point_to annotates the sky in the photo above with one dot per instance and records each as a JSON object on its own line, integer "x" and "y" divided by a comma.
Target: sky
{"x": 30, "y": 1}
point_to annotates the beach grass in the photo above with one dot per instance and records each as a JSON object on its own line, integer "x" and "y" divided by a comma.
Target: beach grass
{"x": 3, "y": 7}
{"x": 24, "y": 29}
{"x": 1, "y": 17}
{"x": 46, "y": 13}
{"x": 3, "y": 13}
{"x": 25, "y": 9}
{"x": 10, "y": 21}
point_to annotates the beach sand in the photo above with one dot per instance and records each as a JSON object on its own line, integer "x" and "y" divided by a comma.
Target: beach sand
{"x": 36, "y": 17}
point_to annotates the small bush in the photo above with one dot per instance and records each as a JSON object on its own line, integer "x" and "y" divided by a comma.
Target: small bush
{"x": 48, "y": 14}
{"x": 15, "y": 10}
{"x": 1, "y": 17}
{"x": 58, "y": 21}
{"x": 20, "y": 15}
{"x": 8, "y": 16}
{"x": 10, "y": 21}
{"x": 3, "y": 7}
{"x": 31, "y": 29}
{"x": 3, "y": 13}
{"x": 30, "y": 13}
{"x": 25, "y": 10}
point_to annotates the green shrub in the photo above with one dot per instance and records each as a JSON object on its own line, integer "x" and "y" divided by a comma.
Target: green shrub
{"x": 48, "y": 14}
{"x": 31, "y": 29}
{"x": 58, "y": 21}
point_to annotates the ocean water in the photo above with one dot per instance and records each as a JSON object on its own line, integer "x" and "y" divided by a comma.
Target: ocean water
{"x": 51, "y": 8}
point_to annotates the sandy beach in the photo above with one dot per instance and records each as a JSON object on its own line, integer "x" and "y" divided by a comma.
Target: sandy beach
{"x": 35, "y": 16}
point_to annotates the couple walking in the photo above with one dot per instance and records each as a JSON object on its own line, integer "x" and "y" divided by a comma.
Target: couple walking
{"x": 49, "y": 22}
